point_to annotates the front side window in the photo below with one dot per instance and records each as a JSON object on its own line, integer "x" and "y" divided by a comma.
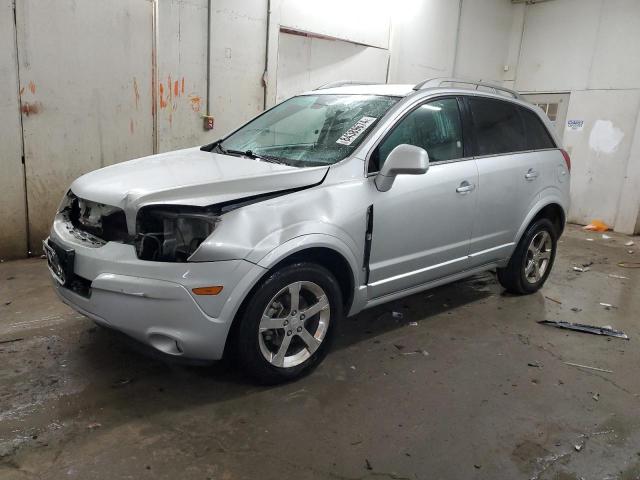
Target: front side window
{"x": 310, "y": 130}
{"x": 498, "y": 127}
{"x": 435, "y": 126}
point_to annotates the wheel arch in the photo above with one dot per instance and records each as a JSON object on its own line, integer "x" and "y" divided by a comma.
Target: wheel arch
{"x": 551, "y": 209}
{"x": 327, "y": 252}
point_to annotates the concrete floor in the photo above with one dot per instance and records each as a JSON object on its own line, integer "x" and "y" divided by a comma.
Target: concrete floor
{"x": 77, "y": 401}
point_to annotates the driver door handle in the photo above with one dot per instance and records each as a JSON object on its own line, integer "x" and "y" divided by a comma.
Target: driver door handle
{"x": 465, "y": 187}
{"x": 531, "y": 174}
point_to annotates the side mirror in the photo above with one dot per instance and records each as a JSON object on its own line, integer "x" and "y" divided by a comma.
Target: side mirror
{"x": 403, "y": 160}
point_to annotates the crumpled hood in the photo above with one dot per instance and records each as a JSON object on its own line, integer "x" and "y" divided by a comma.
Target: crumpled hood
{"x": 188, "y": 177}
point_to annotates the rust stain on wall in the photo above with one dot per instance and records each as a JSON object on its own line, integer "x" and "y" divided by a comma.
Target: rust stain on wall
{"x": 182, "y": 89}
{"x": 131, "y": 126}
{"x": 31, "y": 108}
{"x": 136, "y": 92}
{"x": 32, "y": 87}
{"x": 21, "y": 91}
{"x": 163, "y": 102}
{"x": 195, "y": 102}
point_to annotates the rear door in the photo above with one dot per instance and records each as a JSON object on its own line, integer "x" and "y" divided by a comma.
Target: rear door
{"x": 512, "y": 151}
{"x": 422, "y": 226}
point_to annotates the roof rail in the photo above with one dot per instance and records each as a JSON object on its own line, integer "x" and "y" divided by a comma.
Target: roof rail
{"x": 440, "y": 81}
{"x": 342, "y": 83}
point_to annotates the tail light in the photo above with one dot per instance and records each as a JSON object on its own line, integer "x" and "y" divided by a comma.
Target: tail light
{"x": 567, "y": 158}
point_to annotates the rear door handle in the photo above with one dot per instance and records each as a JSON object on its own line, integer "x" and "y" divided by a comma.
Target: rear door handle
{"x": 465, "y": 187}
{"x": 531, "y": 174}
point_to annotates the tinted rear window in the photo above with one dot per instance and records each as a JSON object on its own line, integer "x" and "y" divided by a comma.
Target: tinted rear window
{"x": 537, "y": 135}
{"x": 498, "y": 127}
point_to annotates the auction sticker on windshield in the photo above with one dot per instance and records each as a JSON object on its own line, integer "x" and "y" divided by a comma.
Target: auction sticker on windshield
{"x": 354, "y": 132}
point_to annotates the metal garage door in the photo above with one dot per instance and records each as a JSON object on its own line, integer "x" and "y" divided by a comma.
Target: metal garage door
{"x": 305, "y": 62}
{"x": 86, "y": 95}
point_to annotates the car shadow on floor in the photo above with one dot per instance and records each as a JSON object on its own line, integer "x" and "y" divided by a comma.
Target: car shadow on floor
{"x": 123, "y": 364}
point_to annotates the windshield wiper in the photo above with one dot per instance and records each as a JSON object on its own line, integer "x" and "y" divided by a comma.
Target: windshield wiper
{"x": 255, "y": 156}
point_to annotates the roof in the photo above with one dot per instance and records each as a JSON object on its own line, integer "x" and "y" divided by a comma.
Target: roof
{"x": 375, "y": 89}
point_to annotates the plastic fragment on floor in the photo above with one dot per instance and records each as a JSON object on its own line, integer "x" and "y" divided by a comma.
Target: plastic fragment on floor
{"x": 581, "y": 327}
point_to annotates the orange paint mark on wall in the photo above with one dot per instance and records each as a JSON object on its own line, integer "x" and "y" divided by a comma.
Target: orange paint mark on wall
{"x": 195, "y": 102}
{"x": 136, "y": 92}
{"x": 32, "y": 87}
{"x": 169, "y": 94}
{"x": 163, "y": 101}
{"x": 176, "y": 90}
{"x": 131, "y": 126}
{"x": 182, "y": 89}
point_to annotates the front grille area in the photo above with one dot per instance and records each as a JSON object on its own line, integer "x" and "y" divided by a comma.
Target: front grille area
{"x": 94, "y": 222}
{"x": 79, "y": 285}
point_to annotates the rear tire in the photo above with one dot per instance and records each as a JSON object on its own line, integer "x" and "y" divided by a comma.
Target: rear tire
{"x": 532, "y": 260}
{"x": 288, "y": 324}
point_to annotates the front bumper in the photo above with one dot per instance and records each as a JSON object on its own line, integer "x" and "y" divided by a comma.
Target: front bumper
{"x": 153, "y": 301}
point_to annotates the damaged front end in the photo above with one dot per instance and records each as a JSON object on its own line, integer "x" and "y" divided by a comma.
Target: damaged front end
{"x": 172, "y": 233}
{"x": 163, "y": 233}
{"x": 166, "y": 233}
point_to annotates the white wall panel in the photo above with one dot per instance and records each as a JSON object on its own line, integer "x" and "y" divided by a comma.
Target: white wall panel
{"x": 305, "y": 63}
{"x": 557, "y": 45}
{"x": 85, "y": 67}
{"x": 182, "y": 72}
{"x": 600, "y": 151}
{"x": 13, "y": 234}
{"x": 616, "y": 59}
{"x": 359, "y": 21}
{"x": 423, "y": 39}
{"x": 483, "y": 41}
{"x": 239, "y": 39}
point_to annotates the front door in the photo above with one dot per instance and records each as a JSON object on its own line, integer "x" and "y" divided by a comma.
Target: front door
{"x": 422, "y": 226}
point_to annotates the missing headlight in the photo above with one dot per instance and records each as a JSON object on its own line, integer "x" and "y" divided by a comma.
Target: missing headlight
{"x": 172, "y": 233}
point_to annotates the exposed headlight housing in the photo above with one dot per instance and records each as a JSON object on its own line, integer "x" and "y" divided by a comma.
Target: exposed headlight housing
{"x": 171, "y": 233}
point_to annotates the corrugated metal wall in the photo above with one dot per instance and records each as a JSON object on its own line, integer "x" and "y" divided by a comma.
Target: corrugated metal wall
{"x": 13, "y": 234}
{"x": 85, "y": 92}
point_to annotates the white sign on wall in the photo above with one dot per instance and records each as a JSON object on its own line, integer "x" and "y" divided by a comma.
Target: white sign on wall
{"x": 575, "y": 125}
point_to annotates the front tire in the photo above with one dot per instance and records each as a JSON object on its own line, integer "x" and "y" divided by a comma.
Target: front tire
{"x": 288, "y": 324}
{"x": 531, "y": 262}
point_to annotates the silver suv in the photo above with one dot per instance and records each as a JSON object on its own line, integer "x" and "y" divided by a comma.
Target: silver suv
{"x": 333, "y": 201}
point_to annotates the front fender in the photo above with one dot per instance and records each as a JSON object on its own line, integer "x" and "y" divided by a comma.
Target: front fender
{"x": 314, "y": 240}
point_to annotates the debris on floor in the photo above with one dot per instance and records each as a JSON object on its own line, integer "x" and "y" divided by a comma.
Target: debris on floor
{"x": 629, "y": 264}
{"x": 596, "y": 226}
{"x": 596, "y": 396}
{"x": 93, "y": 426}
{"x": 535, "y": 364}
{"x": 589, "y": 367}
{"x": 606, "y": 237}
{"x": 576, "y": 309}
{"x": 413, "y": 324}
{"x": 630, "y": 243}
{"x": 580, "y": 327}
{"x": 397, "y": 315}
{"x": 11, "y": 341}
{"x": 621, "y": 277}
{"x": 554, "y": 300}
{"x": 415, "y": 352}
{"x": 580, "y": 269}
{"x": 608, "y": 306}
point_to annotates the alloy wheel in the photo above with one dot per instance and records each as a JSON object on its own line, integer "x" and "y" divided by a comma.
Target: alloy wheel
{"x": 294, "y": 324}
{"x": 538, "y": 256}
